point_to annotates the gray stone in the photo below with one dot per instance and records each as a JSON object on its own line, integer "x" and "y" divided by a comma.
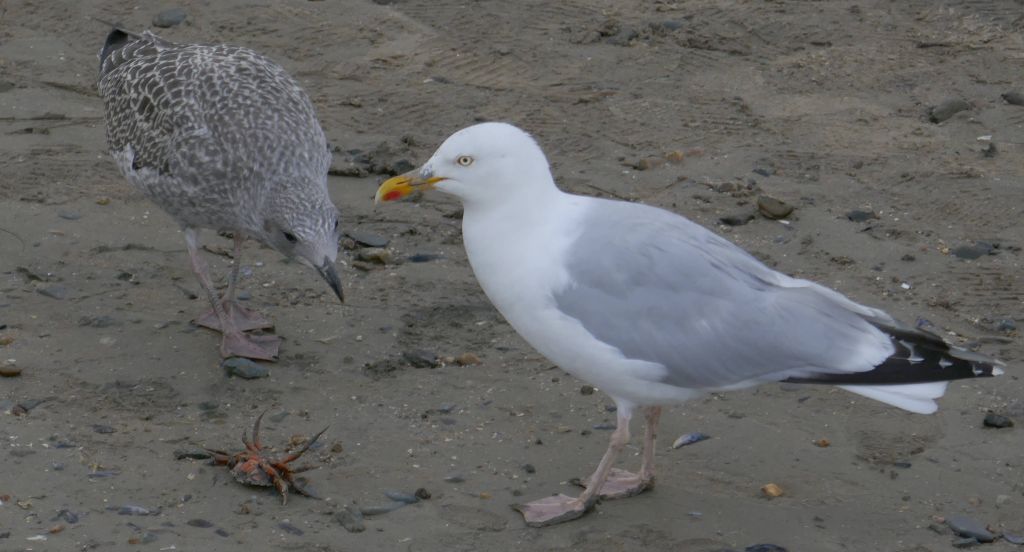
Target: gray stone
{"x": 368, "y": 239}
{"x": 1013, "y": 98}
{"x": 169, "y": 18}
{"x": 351, "y": 519}
{"x": 244, "y": 368}
{"x": 947, "y": 109}
{"x": 773, "y": 208}
{"x": 997, "y": 421}
{"x": 54, "y": 292}
{"x": 967, "y": 527}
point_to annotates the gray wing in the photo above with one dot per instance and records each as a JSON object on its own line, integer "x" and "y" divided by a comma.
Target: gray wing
{"x": 663, "y": 289}
{"x": 179, "y": 107}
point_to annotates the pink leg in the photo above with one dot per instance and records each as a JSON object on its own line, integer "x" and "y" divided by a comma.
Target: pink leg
{"x": 561, "y": 508}
{"x": 624, "y": 484}
{"x": 244, "y": 319}
{"x": 234, "y": 343}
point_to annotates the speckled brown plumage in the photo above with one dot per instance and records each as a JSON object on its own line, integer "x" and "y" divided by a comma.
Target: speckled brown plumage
{"x": 221, "y": 137}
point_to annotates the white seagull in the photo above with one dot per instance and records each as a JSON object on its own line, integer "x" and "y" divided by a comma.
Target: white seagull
{"x": 655, "y": 309}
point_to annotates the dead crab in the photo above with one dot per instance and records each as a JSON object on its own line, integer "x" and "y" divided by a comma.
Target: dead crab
{"x": 253, "y": 466}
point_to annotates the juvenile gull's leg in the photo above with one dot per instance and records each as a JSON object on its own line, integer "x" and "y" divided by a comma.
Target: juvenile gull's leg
{"x": 234, "y": 342}
{"x": 244, "y": 319}
{"x": 560, "y": 508}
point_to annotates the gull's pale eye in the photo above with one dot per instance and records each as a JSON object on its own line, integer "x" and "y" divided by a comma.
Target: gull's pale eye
{"x": 464, "y": 160}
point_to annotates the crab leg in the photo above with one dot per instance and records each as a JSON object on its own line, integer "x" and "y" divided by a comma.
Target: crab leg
{"x": 302, "y": 450}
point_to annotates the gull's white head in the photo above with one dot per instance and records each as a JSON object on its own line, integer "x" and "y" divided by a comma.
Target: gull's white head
{"x": 481, "y": 164}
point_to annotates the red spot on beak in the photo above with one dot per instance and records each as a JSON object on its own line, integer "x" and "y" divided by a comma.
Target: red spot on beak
{"x": 392, "y": 195}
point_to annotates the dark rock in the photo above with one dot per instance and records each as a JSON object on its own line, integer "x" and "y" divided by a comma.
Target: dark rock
{"x": 54, "y": 292}
{"x": 351, "y": 519}
{"x": 289, "y": 528}
{"x": 1013, "y": 98}
{"x": 379, "y": 510}
{"x": 947, "y": 109}
{"x": 222, "y": 532}
{"x": 66, "y": 515}
{"x": 367, "y": 239}
{"x": 908, "y": 258}
{"x": 401, "y": 496}
{"x": 104, "y": 429}
{"x": 737, "y": 219}
{"x": 528, "y": 468}
{"x": 97, "y": 321}
{"x": 422, "y": 494}
{"x": 989, "y": 150}
{"x": 586, "y": 390}
{"x": 1014, "y": 539}
{"x": 997, "y": 420}
{"x": 376, "y": 255}
{"x": 764, "y": 548}
{"x": 1006, "y": 325}
{"x": 970, "y": 528}
{"x": 244, "y": 368}
{"x": 169, "y": 18}
{"x": 423, "y": 257}
{"x": 970, "y": 252}
{"x": 860, "y": 215}
{"x": 420, "y": 358}
{"x": 201, "y": 523}
{"x": 773, "y": 208}
{"x": 969, "y": 542}
{"x": 69, "y": 215}
{"x": 191, "y": 454}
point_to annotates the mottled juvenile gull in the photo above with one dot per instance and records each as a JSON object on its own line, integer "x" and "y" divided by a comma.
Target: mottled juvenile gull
{"x": 655, "y": 309}
{"x": 221, "y": 137}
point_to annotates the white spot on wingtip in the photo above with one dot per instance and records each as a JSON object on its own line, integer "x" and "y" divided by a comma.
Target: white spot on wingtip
{"x": 943, "y": 363}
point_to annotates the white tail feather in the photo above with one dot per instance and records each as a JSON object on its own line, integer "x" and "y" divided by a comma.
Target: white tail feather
{"x": 915, "y": 397}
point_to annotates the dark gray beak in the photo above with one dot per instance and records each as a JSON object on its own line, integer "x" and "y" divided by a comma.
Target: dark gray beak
{"x": 327, "y": 271}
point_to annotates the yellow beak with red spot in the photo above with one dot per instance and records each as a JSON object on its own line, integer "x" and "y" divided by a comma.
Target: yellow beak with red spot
{"x": 397, "y": 187}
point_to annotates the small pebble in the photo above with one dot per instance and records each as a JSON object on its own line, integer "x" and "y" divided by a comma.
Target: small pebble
{"x": 68, "y": 516}
{"x": 968, "y": 542}
{"x": 191, "y": 454}
{"x": 1014, "y": 98}
{"x": 378, "y": 510}
{"x": 737, "y": 219}
{"x": 10, "y": 371}
{"x": 529, "y": 468}
{"x": 1006, "y": 325}
{"x": 773, "y": 208}
{"x": 971, "y": 252}
{"x": 1014, "y": 538}
{"x": 169, "y": 18}
{"x": 222, "y": 532}
{"x": 689, "y": 439}
{"x": 648, "y": 163}
{"x": 197, "y": 522}
{"x": 420, "y": 358}
{"x": 133, "y": 510}
{"x": 375, "y": 255}
{"x": 997, "y": 420}
{"x": 367, "y": 239}
{"x": 764, "y": 548}
{"x": 822, "y": 443}
{"x": 606, "y": 426}
{"x": 947, "y": 109}
{"x": 860, "y": 215}
{"x": 467, "y": 359}
{"x": 423, "y": 257}
{"x": 422, "y": 494}
{"x": 289, "y": 528}
{"x": 587, "y": 390}
{"x": 103, "y": 429}
{"x": 244, "y": 368}
{"x": 401, "y": 496}
{"x": 351, "y": 519}
{"x": 771, "y": 490}
{"x": 454, "y": 478}
{"x": 967, "y": 527}
{"x": 54, "y": 292}
{"x": 69, "y": 215}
